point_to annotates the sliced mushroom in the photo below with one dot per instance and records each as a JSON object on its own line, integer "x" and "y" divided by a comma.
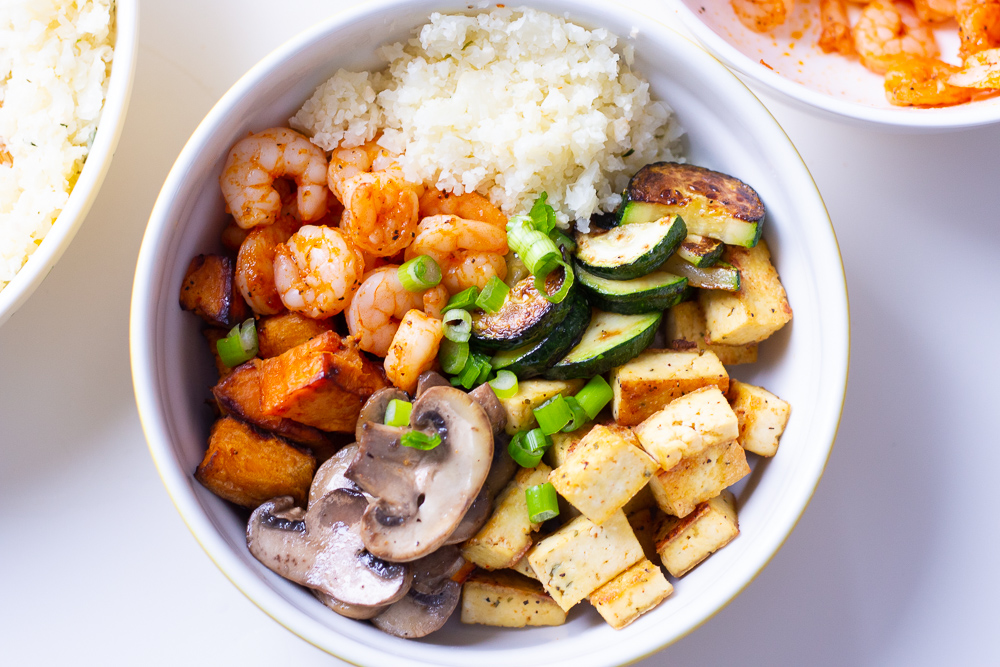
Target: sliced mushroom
{"x": 322, "y": 549}
{"x": 430, "y": 572}
{"x": 422, "y": 495}
{"x": 330, "y": 475}
{"x": 431, "y": 600}
{"x": 501, "y": 471}
{"x": 374, "y": 408}
{"x": 487, "y": 399}
{"x": 430, "y": 379}
{"x": 356, "y": 611}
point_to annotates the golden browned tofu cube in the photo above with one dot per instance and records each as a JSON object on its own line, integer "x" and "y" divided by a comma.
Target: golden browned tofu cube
{"x": 631, "y": 594}
{"x": 508, "y": 600}
{"x": 688, "y": 425}
{"x": 279, "y": 333}
{"x": 322, "y": 382}
{"x": 563, "y": 444}
{"x": 506, "y": 535}
{"x": 641, "y": 500}
{"x": 581, "y": 556}
{"x": 698, "y": 478}
{"x": 685, "y": 327}
{"x": 646, "y": 526}
{"x": 762, "y": 417}
{"x": 248, "y": 467}
{"x": 755, "y": 311}
{"x": 209, "y": 292}
{"x": 531, "y": 394}
{"x": 683, "y": 543}
{"x": 604, "y": 470}
{"x": 524, "y": 567}
{"x": 656, "y": 377}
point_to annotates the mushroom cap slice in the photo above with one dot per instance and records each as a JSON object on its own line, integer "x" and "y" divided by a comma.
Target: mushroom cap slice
{"x": 422, "y": 495}
{"x": 374, "y": 408}
{"x": 355, "y": 611}
{"x": 431, "y": 600}
{"x": 487, "y": 399}
{"x": 501, "y": 472}
{"x": 430, "y": 379}
{"x": 330, "y": 475}
{"x": 322, "y": 549}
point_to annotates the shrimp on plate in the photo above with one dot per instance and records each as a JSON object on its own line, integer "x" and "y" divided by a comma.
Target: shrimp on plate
{"x": 887, "y": 30}
{"x": 254, "y": 272}
{"x": 762, "y": 15}
{"x": 471, "y": 206}
{"x": 981, "y": 70}
{"x": 317, "y": 271}
{"x": 257, "y": 161}
{"x": 469, "y": 252}
{"x": 978, "y": 25}
{"x": 917, "y": 81}
{"x": 414, "y": 349}
{"x": 835, "y": 29}
{"x": 380, "y": 304}
{"x": 934, "y": 11}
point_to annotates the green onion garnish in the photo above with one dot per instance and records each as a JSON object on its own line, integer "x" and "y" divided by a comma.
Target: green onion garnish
{"x": 543, "y": 504}
{"x": 485, "y": 367}
{"x": 594, "y": 396}
{"x": 469, "y": 374}
{"x": 519, "y": 452}
{"x": 397, "y": 413}
{"x": 563, "y": 241}
{"x": 453, "y": 356}
{"x": 465, "y": 299}
{"x": 504, "y": 384}
{"x": 240, "y": 345}
{"x": 420, "y": 440}
{"x": 537, "y": 441}
{"x": 553, "y": 415}
{"x": 419, "y": 274}
{"x": 580, "y": 415}
{"x": 457, "y": 325}
{"x": 540, "y": 254}
{"x": 543, "y": 216}
{"x": 493, "y": 295}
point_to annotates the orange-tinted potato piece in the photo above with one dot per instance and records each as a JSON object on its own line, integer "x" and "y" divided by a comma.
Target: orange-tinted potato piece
{"x": 209, "y": 292}
{"x": 277, "y": 334}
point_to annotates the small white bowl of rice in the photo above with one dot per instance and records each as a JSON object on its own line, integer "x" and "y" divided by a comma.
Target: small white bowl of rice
{"x": 669, "y": 99}
{"x": 66, "y": 73}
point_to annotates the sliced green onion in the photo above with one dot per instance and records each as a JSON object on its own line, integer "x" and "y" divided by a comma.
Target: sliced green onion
{"x": 504, "y": 384}
{"x": 493, "y": 295}
{"x": 540, "y": 254}
{"x": 419, "y": 274}
{"x": 457, "y": 325}
{"x": 485, "y": 367}
{"x": 469, "y": 375}
{"x": 553, "y": 415}
{"x": 240, "y": 345}
{"x": 543, "y": 216}
{"x": 594, "y": 396}
{"x": 397, "y": 413}
{"x": 465, "y": 299}
{"x": 519, "y": 452}
{"x": 563, "y": 241}
{"x": 420, "y": 440}
{"x": 543, "y": 504}
{"x": 537, "y": 441}
{"x": 453, "y": 356}
{"x": 580, "y": 415}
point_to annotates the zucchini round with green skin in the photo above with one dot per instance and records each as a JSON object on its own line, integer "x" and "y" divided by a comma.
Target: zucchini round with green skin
{"x": 525, "y": 316}
{"x": 721, "y": 276}
{"x": 630, "y": 251}
{"x": 652, "y": 292}
{"x": 701, "y": 251}
{"x": 532, "y": 360}
{"x": 610, "y": 340}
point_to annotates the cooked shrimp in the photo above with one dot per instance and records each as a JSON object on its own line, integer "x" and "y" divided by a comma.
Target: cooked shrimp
{"x": 917, "y": 81}
{"x": 469, "y": 252}
{"x": 978, "y": 25}
{"x": 380, "y": 304}
{"x": 380, "y": 212}
{"x": 254, "y": 163}
{"x": 471, "y": 206}
{"x": 835, "y": 29}
{"x": 255, "y": 265}
{"x": 887, "y": 30}
{"x": 317, "y": 271}
{"x": 469, "y": 267}
{"x": 762, "y": 15}
{"x": 934, "y": 11}
{"x": 414, "y": 349}
{"x": 346, "y": 163}
{"x": 981, "y": 70}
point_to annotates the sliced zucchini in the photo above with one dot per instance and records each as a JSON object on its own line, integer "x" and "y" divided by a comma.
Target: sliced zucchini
{"x": 721, "y": 276}
{"x": 712, "y": 204}
{"x": 630, "y": 251}
{"x": 610, "y": 340}
{"x": 701, "y": 250}
{"x": 532, "y": 360}
{"x": 652, "y": 292}
{"x": 525, "y": 316}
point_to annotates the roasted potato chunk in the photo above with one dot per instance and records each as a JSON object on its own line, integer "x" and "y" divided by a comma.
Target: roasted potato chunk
{"x": 213, "y": 336}
{"x": 631, "y": 594}
{"x": 685, "y": 329}
{"x": 683, "y": 543}
{"x": 209, "y": 292}
{"x": 277, "y": 334}
{"x": 508, "y": 600}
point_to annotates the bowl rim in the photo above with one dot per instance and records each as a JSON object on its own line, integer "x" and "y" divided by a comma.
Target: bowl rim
{"x": 95, "y": 168}
{"x": 902, "y": 118}
{"x": 177, "y": 481}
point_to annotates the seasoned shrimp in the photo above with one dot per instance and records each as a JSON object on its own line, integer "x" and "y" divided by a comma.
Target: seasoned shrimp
{"x": 380, "y": 212}
{"x": 471, "y": 206}
{"x": 317, "y": 271}
{"x": 978, "y": 25}
{"x": 414, "y": 349}
{"x": 934, "y": 11}
{"x": 887, "y": 30}
{"x": 835, "y": 29}
{"x": 982, "y": 70}
{"x": 254, "y": 163}
{"x": 346, "y": 163}
{"x": 762, "y": 15}
{"x": 380, "y": 304}
{"x": 255, "y": 265}
{"x": 917, "y": 81}
{"x": 468, "y": 268}
{"x": 468, "y": 251}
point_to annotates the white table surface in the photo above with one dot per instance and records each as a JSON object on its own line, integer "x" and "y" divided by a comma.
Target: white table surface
{"x": 893, "y": 563}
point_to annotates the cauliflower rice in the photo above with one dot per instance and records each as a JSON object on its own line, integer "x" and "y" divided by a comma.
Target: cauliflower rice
{"x": 55, "y": 57}
{"x": 508, "y": 103}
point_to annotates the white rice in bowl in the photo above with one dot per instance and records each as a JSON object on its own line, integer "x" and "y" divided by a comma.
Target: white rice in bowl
{"x": 55, "y": 58}
{"x": 510, "y": 103}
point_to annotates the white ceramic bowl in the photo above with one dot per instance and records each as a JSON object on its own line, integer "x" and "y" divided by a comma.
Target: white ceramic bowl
{"x": 806, "y": 363}
{"x": 95, "y": 168}
{"x": 829, "y": 84}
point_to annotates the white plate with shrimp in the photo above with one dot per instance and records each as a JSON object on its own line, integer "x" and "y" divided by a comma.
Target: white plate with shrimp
{"x": 786, "y": 59}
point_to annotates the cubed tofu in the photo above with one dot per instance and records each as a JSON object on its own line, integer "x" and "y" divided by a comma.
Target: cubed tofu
{"x": 563, "y": 444}
{"x": 530, "y": 394}
{"x": 754, "y": 312}
{"x": 646, "y": 526}
{"x": 279, "y": 333}
{"x": 603, "y": 471}
{"x": 524, "y": 567}
{"x": 656, "y": 377}
{"x": 698, "y": 478}
{"x": 506, "y": 536}
{"x": 249, "y": 467}
{"x": 581, "y": 556}
{"x": 684, "y": 326}
{"x": 631, "y": 594}
{"x": 508, "y": 600}
{"x": 762, "y": 417}
{"x": 641, "y": 500}
{"x": 209, "y": 292}
{"x": 688, "y": 425}
{"x": 683, "y": 543}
